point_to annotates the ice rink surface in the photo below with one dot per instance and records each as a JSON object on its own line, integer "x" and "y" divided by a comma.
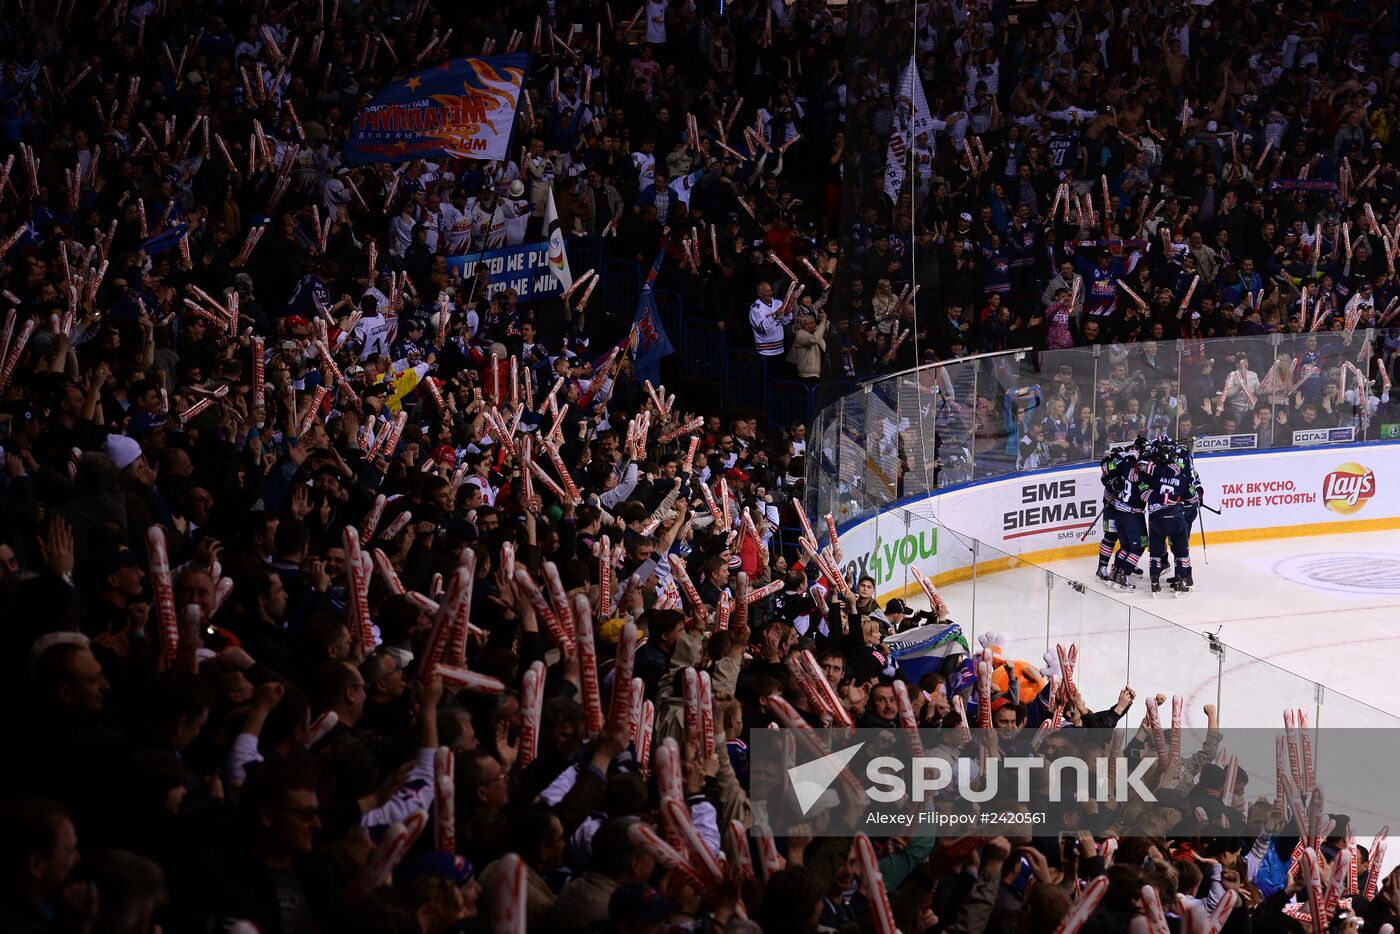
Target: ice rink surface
{"x": 1309, "y": 622}
{"x": 1288, "y": 612}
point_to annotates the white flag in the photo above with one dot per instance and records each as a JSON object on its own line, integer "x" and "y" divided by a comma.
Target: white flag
{"x": 911, "y": 118}
{"x": 558, "y": 259}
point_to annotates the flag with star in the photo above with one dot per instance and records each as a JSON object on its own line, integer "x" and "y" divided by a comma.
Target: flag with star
{"x": 462, "y": 108}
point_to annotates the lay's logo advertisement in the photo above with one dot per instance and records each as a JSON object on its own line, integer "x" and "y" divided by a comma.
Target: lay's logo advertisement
{"x": 1346, "y": 489}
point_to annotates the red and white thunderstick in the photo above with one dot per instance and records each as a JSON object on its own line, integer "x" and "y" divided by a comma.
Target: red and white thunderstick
{"x": 1227, "y": 793}
{"x": 385, "y": 567}
{"x": 802, "y": 520}
{"x": 568, "y": 481}
{"x": 588, "y": 665}
{"x": 906, "y": 718}
{"x": 787, "y": 716}
{"x": 693, "y": 425}
{"x": 769, "y": 857}
{"x": 767, "y": 590}
{"x": 357, "y": 594}
{"x": 691, "y": 690}
{"x": 620, "y": 705}
{"x": 707, "y": 715}
{"x": 398, "y": 839}
{"x": 936, "y": 602}
{"x": 676, "y": 816}
{"x": 439, "y": 636}
{"x": 831, "y": 534}
{"x": 643, "y": 741}
{"x": 397, "y": 526}
{"x": 164, "y": 592}
{"x": 259, "y": 367}
{"x": 798, "y": 674}
{"x": 1291, "y": 738}
{"x": 543, "y": 610}
{"x": 531, "y": 701}
{"x": 559, "y": 597}
{"x": 811, "y": 270}
{"x": 1377, "y": 859}
{"x": 444, "y": 800}
{"x": 1152, "y": 909}
{"x": 461, "y": 622}
{"x": 873, "y": 885}
{"x": 984, "y": 695}
{"x": 320, "y": 727}
{"x": 697, "y": 609}
{"x": 1336, "y": 886}
{"x": 1083, "y": 906}
{"x": 1316, "y": 896}
{"x": 723, "y": 609}
{"x": 471, "y": 680}
{"x": 605, "y": 576}
{"x": 1159, "y": 739}
{"x": 840, "y": 716}
{"x": 739, "y": 849}
{"x": 1178, "y": 708}
{"x": 668, "y": 783}
{"x": 670, "y": 857}
{"x": 508, "y": 914}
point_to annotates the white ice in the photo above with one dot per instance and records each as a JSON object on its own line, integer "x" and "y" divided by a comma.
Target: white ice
{"x": 1309, "y": 623}
{"x": 1291, "y": 614}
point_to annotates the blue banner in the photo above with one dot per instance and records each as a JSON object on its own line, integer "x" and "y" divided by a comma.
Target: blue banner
{"x": 463, "y": 108}
{"x": 648, "y": 341}
{"x": 524, "y": 268}
{"x": 167, "y": 239}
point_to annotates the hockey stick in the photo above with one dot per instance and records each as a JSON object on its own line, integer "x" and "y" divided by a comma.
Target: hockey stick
{"x": 1212, "y": 509}
{"x": 1093, "y": 525}
{"x": 1202, "y": 522}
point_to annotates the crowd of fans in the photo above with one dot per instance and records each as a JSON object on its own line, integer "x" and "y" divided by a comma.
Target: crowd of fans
{"x": 231, "y": 359}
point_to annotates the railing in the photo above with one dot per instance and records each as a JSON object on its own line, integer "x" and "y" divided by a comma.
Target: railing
{"x": 941, "y": 424}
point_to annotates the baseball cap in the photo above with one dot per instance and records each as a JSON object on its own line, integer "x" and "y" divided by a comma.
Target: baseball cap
{"x": 1212, "y": 776}
{"x": 896, "y": 606}
{"x": 113, "y": 558}
{"x": 638, "y": 903}
{"x": 144, "y": 422}
{"x": 19, "y": 411}
{"x": 435, "y": 864}
{"x": 964, "y": 216}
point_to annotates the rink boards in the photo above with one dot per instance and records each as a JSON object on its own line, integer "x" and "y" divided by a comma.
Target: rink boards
{"x": 1043, "y": 516}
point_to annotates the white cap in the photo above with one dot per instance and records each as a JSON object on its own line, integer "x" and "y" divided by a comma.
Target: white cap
{"x": 517, "y": 188}
{"x": 122, "y": 450}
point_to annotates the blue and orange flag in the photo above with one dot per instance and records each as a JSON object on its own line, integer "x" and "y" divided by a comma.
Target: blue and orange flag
{"x": 463, "y": 108}
{"x": 647, "y": 340}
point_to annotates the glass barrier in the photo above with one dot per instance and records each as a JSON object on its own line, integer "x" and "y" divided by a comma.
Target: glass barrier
{"x": 908, "y": 433}
{"x": 1033, "y": 610}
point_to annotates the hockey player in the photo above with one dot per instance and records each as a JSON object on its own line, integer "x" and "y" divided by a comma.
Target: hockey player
{"x": 1168, "y": 489}
{"x": 1192, "y": 507}
{"x": 1129, "y": 503}
{"x": 1113, "y": 474}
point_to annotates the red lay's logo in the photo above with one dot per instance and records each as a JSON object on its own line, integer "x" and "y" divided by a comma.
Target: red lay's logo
{"x": 1346, "y": 489}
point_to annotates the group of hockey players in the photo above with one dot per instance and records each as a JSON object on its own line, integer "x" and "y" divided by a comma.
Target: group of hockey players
{"x": 1152, "y": 495}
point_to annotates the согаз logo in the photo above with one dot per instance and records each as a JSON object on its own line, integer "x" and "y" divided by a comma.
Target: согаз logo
{"x": 1346, "y": 489}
